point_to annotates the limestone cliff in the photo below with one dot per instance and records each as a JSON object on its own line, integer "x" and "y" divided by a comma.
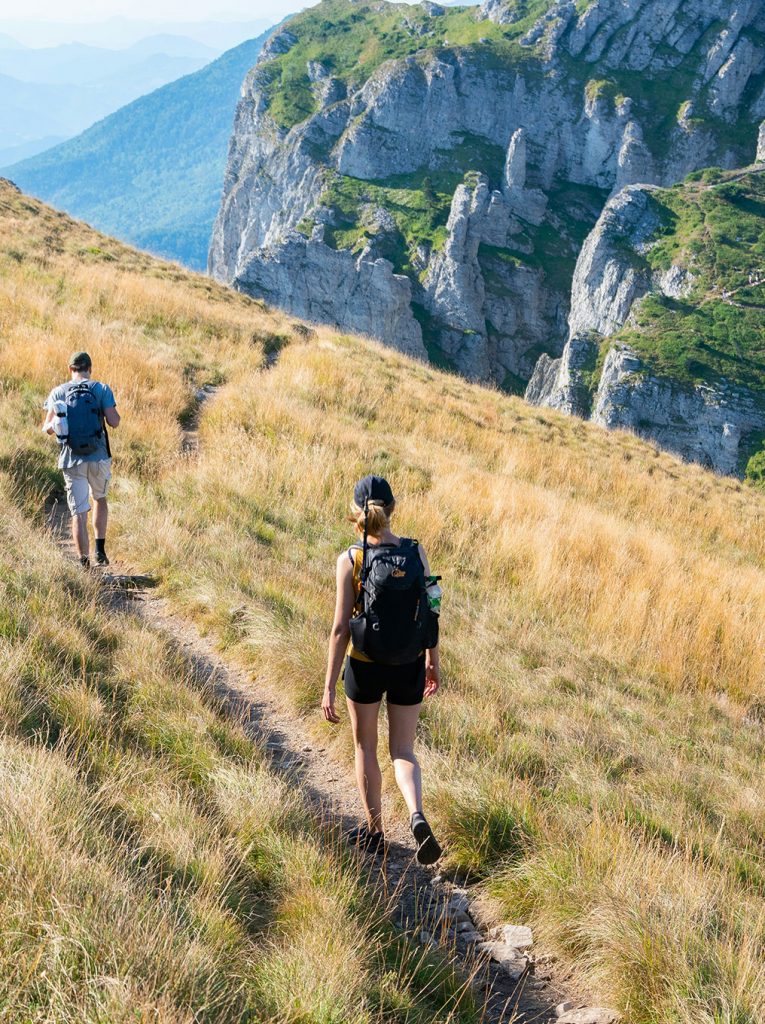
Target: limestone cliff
{"x": 667, "y": 323}
{"x": 430, "y": 173}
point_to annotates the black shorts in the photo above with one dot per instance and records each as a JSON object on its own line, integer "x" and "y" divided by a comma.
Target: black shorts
{"x": 365, "y": 682}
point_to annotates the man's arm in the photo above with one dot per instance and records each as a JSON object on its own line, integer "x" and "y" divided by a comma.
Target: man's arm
{"x": 111, "y": 416}
{"x": 47, "y": 427}
{"x": 109, "y": 405}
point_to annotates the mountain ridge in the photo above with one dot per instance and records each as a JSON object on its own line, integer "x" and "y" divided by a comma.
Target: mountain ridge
{"x": 151, "y": 172}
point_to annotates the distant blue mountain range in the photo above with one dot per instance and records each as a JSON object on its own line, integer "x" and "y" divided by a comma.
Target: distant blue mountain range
{"x": 150, "y": 173}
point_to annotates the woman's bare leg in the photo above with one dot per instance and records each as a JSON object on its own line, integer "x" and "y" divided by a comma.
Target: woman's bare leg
{"x": 402, "y": 725}
{"x": 368, "y": 776}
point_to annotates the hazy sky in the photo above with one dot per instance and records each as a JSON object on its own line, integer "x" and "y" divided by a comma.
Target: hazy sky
{"x": 159, "y": 10}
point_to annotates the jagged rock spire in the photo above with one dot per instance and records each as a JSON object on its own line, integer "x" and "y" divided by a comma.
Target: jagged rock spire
{"x": 514, "y": 178}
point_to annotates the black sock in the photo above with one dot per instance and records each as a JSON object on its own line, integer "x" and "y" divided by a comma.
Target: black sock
{"x": 418, "y": 818}
{"x": 100, "y": 546}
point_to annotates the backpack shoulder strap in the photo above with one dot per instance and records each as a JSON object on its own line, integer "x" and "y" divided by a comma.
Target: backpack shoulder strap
{"x": 356, "y": 556}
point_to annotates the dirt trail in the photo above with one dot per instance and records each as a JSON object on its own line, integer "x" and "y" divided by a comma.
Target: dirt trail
{"x": 419, "y": 896}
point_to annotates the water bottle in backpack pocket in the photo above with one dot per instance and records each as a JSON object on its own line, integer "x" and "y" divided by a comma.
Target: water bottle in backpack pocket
{"x": 85, "y": 420}
{"x": 394, "y": 623}
{"x": 60, "y": 422}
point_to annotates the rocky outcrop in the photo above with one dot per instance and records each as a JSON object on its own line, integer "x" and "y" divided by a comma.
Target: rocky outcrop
{"x": 760, "y": 158}
{"x": 334, "y": 287}
{"x": 566, "y": 383}
{"x": 605, "y": 285}
{"x": 702, "y": 423}
{"x": 706, "y": 423}
{"x": 489, "y": 313}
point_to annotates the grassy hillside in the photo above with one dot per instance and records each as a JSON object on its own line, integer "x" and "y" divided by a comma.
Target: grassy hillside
{"x": 151, "y": 173}
{"x": 354, "y": 39}
{"x": 154, "y": 867}
{"x": 594, "y": 759}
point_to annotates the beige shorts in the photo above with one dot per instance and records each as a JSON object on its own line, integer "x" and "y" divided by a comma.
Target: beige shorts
{"x": 82, "y": 480}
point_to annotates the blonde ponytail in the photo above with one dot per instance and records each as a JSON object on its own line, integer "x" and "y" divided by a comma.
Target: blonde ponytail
{"x": 378, "y": 517}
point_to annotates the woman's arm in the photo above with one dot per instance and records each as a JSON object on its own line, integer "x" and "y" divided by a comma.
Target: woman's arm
{"x": 338, "y": 638}
{"x": 432, "y": 659}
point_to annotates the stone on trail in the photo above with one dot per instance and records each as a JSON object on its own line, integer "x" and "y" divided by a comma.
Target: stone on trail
{"x": 590, "y": 1015}
{"x": 515, "y": 968}
{"x": 517, "y": 935}
{"x": 459, "y": 902}
{"x": 506, "y": 956}
{"x": 459, "y": 917}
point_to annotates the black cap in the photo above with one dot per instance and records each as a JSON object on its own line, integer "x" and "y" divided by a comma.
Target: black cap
{"x": 372, "y": 488}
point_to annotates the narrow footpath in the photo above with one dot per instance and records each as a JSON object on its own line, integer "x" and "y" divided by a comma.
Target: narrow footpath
{"x": 519, "y": 984}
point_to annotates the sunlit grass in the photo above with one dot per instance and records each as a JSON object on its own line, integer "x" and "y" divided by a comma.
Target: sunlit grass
{"x": 594, "y": 759}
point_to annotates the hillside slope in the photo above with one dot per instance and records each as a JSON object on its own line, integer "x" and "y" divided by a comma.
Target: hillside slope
{"x": 667, "y": 326}
{"x": 156, "y": 866}
{"x": 594, "y": 759}
{"x": 151, "y": 172}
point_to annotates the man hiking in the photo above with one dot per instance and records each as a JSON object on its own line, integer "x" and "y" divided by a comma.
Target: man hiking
{"x": 77, "y": 414}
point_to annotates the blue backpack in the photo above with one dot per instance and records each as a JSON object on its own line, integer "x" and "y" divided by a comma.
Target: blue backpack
{"x": 85, "y": 419}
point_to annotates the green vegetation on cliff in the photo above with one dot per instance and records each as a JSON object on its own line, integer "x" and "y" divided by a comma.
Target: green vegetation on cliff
{"x": 417, "y": 203}
{"x": 353, "y": 39}
{"x": 713, "y": 227}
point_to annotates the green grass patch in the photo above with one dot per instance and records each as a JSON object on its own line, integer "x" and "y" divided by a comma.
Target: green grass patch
{"x": 717, "y": 332}
{"x": 420, "y": 215}
{"x": 353, "y": 39}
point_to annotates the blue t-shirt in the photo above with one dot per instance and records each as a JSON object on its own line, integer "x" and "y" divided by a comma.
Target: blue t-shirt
{"x": 105, "y": 400}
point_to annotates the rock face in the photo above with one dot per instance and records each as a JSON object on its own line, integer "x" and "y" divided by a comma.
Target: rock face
{"x": 563, "y": 383}
{"x": 331, "y": 286}
{"x": 706, "y": 423}
{"x": 702, "y": 423}
{"x": 543, "y": 147}
{"x": 605, "y": 286}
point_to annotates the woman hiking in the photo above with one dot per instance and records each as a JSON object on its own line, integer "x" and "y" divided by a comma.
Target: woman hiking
{"x": 382, "y": 611}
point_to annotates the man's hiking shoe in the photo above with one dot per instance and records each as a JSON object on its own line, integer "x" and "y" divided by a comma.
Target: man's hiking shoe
{"x": 84, "y": 561}
{"x": 362, "y": 838}
{"x": 428, "y": 849}
{"x": 101, "y": 558}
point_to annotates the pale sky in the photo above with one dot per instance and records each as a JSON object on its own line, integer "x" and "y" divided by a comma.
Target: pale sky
{"x": 156, "y": 10}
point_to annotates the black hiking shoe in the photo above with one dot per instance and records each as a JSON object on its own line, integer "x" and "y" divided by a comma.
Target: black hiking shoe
{"x": 101, "y": 558}
{"x": 428, "y": 848}
{"x": 363, "y": 839}
{"x": 84, "y": 561}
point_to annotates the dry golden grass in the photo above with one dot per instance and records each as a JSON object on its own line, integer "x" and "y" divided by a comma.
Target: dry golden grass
{"x": 595, "y": 756}
{"x": 153, "y": 868}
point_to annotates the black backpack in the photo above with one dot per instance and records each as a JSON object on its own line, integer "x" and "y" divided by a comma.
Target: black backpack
{"x": 85, "y": 420}
{"x": 393, "y": 623}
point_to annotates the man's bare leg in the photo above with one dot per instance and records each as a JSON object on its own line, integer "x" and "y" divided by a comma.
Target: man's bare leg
{"x": 100, "y": 518}
{"x": 80, "y": 534}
